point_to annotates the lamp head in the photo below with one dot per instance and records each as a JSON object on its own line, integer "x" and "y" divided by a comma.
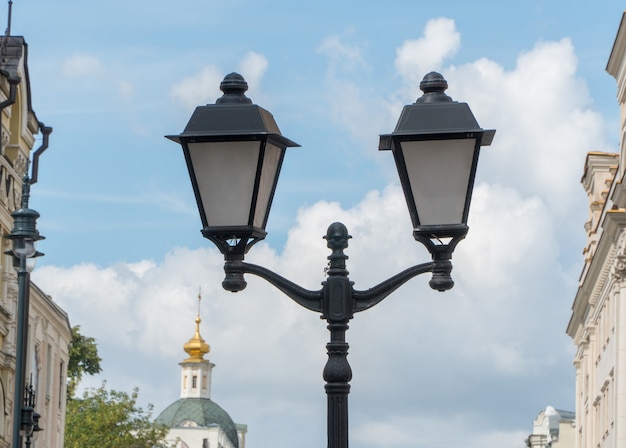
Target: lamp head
{"x": 24, "y": 233}
{"x": 234, "y": 151}
{"x": 435, "y": 145}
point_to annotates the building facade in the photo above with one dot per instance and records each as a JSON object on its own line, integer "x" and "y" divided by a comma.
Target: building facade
{"x": 196, "y": 421}
{"x": 49, "y": 331}
{"x": 553, "y": 428}
{"x": 598, "y": 321}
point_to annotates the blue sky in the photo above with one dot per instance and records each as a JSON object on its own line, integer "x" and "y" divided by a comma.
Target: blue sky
{"x": 125, "y": 258}
{"x": 119, "y": 107}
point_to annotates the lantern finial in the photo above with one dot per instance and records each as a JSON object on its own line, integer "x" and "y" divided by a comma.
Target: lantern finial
{"x": 234, "y": 87}
{"x": 433, "y": 85}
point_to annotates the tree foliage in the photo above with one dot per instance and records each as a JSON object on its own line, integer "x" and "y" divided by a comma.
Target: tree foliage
{"x": 110, "y": 419}
{"x": 84, "y": 359}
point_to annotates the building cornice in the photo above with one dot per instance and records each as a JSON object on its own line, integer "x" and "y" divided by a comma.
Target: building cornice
{"x": 601, "y": 265}
{"x": 615, "y": 66}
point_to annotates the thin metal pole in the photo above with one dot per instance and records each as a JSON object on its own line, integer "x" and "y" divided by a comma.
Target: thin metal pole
{"x": 23, "y": 277}
{"x": 8, "y": 30}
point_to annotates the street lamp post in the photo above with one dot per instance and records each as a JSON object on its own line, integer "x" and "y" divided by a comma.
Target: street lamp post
{"x": 24, "y": 236}
{"x": 234, "y": 151}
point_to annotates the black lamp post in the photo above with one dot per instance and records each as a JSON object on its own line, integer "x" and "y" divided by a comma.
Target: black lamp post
{"x": 234, "y": 152}
{"x": 24, "y": 236}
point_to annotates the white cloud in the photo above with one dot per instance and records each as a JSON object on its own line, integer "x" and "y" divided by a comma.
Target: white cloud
{"x": 416, "y": 57}
{"x": 432, "y": 432}
{"x": 341, "y": 54}
{"x": 204, "y": 86}
{"x": 497, "y": 214}
{"x": 82, "y": 65}
{"x": 263, "y": 342}
{"x": 544, "y": 119}
{"x": 201, "y": 88}
{"x": 253, "y": 68}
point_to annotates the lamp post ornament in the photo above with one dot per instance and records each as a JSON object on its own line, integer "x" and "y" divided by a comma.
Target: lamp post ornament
{"x": 234, "y": 152}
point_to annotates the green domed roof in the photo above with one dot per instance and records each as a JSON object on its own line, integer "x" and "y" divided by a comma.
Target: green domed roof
{"x": 203, "y": 412}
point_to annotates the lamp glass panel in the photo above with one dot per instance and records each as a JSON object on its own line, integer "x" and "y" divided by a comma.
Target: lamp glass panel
{"x": 225, "y": 174}
{"x": 439, "y": 174}
{"x": 24, "y": 248}
{"x": 271, "y": 162}
{"x": 31, "y": 263}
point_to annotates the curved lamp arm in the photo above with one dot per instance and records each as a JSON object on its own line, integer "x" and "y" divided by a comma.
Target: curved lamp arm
{"x": 368, "y": 298}
{"x": 235, "y": 282}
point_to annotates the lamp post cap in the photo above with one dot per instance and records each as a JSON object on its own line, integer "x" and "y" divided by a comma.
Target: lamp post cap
{"x": 234, "y": 87}
{"x": 433, "y": 85}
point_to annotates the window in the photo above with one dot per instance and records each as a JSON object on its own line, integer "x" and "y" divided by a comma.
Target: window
{"x": 3, "y": 411}
{"x": 61, "y": 367}
{"x": 34, "y": 367}
{"x": 49, "y": 372}
{"x": 194, "y": 382}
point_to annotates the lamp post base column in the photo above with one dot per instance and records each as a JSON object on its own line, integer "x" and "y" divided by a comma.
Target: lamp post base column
{"x": 337, "y": 374}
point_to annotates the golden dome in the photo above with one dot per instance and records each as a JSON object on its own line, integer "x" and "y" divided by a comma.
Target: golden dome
{"x": 196, "y": 347}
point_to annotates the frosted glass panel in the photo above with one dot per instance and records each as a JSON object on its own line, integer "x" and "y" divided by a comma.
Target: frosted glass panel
{"x": 439, "y": 173}
{"x": 266, "y": 183}
{"x": 225, "y": 173}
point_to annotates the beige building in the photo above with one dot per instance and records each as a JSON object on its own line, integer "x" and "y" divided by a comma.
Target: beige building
{"x": 49, "y": 330}
{"x": 598, "y": 322}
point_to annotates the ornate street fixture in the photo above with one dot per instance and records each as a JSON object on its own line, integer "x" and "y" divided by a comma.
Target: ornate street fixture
{"x": 24, "y": 236}
{"x": 234, "y": 152}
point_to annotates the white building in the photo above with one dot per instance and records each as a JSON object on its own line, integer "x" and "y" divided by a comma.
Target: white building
{"x": 196, "y": 421}
{"x": 553, "y": 428}
{"x": 598, "y": 322}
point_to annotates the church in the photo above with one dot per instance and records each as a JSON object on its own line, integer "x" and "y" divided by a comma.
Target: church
{"x": 196, "y": 421}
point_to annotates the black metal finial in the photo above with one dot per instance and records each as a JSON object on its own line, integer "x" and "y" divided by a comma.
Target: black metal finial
{"x": 234, "y": 87}
{"x": 337, "y": 240}
{"x": 433, "y": 85}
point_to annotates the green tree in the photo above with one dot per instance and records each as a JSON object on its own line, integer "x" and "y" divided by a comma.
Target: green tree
{"x": 110, "y": 419}
{"x": 84, "y": 359}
